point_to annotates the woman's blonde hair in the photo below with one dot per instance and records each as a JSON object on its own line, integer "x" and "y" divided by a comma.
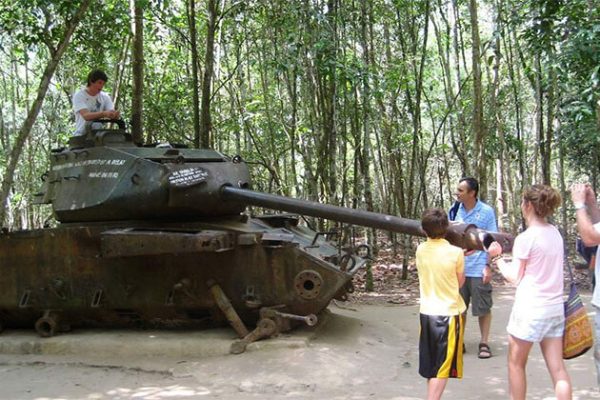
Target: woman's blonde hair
{"x": 545, "y": 199}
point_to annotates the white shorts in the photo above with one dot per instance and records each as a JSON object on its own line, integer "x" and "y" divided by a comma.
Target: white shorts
{"x": 534, "y": 330}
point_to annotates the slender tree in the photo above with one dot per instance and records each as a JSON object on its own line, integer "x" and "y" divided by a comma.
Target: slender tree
{"x": 191, "y": 8}
{"x": 209, "y": 57}
{"x": 479, "y": 158}
{"x": 137, "y": 61}
{"x": 56, "y": 52}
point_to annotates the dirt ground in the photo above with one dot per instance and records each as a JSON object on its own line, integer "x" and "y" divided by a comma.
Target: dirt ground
{"x": 365, "y": 349}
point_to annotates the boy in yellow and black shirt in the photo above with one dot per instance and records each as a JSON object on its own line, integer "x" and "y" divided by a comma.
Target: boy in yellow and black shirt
{"x": 441, "y": 273}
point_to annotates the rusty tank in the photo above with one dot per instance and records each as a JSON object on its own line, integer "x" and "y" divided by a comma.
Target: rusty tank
{"x": 157, "y": 236}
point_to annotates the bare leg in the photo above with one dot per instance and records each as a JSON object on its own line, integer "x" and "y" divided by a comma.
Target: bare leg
{"x": 597, "y": 344}
{"x": 485, "y": 321}
{"x": 518, "y": 351}
{"x": 435, "y": 388}
{"x": 552, "y": 351}
{"x": 465, "y": 328}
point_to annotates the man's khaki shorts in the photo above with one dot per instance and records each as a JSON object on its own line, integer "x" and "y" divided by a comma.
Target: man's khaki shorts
{"x": 478, "y": 295}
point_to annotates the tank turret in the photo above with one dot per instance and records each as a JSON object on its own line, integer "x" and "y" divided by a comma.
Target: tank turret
{"x": 157, "y": 236}
{"x": 103, "y": 176}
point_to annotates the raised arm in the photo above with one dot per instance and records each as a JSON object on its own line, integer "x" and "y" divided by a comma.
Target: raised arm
{"x": 587, "y": 213}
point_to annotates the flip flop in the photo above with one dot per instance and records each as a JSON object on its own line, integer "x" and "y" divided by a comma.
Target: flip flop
{"x": 484, "y": 351}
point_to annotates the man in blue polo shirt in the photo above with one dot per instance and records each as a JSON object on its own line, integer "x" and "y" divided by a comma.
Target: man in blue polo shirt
{"x": 477, "y": 290}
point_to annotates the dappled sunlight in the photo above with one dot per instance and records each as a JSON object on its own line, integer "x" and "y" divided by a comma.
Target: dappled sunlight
{"x": 592, "y": 393}
{"x": 143, "y": 393}
{"x": 175, "y": 391}
{"x": 579, "y": 365}
{"x": 577, "y": 395}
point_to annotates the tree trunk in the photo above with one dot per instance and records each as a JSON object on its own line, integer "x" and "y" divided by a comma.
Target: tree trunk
{"x": 461, "y": 143}
{"x": 137, "y": 72}
{"x": 325, "y": 61}
{"x": 365, "y": 161}
{"x": 564, "y": 219}
{"x": 540, "y": 154}
{"x": 549, "y": 131}
{"x": 17, "y": 148}
{"x": 119, "y": 75}
{"x": 205, "y": 117}
{"x": 479, "y": 159}
{"x": 497, "y": 129}
{"x": 443, "y": 45}
{"x": 509, "y": 44}
{"x": 195, "y": 61}
{"x": 413, "y": 49}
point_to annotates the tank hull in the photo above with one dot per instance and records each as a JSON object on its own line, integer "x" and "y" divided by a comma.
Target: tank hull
{"x": 139, "y": 273}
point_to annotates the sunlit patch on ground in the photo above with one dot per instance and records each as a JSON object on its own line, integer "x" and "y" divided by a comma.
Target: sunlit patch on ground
{"x": 154, "y": 392}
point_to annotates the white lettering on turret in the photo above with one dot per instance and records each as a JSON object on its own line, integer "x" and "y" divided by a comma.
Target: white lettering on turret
{"x": 188, "y": 177}
{"x": 103, "y": 175}
{"x": 62, "y": 166}
{"x": 85, "y": 163}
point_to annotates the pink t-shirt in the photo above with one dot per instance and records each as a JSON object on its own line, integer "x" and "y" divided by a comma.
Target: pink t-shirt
{"x": 540, "y": 291}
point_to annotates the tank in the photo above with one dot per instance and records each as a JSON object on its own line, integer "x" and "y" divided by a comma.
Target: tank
{"x": 158, "y": 237}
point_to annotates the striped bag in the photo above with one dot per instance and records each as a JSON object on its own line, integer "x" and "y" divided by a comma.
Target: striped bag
{"x": 578, "y": 337}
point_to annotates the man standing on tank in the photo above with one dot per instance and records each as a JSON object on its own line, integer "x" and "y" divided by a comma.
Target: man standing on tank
{"x": 91, "y": 103}
{"x": 477, "y": 290}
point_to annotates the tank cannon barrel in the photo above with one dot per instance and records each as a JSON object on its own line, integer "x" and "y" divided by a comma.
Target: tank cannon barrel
{"x": 463, "y": 235}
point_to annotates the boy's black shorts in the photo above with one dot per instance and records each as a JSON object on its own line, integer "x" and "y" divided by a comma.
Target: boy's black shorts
{"x": 441, "y": 346}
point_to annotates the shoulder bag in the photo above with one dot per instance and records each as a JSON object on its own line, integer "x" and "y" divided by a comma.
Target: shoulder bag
{"x": 578, "y": 337}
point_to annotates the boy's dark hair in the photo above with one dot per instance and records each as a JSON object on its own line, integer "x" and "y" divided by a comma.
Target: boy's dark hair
{"x": 96, "y": 75}
{"x": 472, "y": 183}
{"x": 434, "y": 222}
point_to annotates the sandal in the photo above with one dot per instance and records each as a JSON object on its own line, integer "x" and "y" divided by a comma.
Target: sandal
{"x": 484, "y": 351}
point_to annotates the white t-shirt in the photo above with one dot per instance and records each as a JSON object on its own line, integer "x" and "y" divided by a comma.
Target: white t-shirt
{"x": 540, "y": 291}
{"x": 83, "y": 100}
{"x": 596, "y": 294}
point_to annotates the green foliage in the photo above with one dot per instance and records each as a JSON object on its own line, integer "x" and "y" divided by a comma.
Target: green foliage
{"x": 578, "y": 66}
{"x": 303, "y": 90}
{"x": 35, "y": 22}
{"x": 99, "y": 39}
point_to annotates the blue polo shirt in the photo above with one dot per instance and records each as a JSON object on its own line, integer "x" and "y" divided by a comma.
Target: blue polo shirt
{"x": 483, "y": 217}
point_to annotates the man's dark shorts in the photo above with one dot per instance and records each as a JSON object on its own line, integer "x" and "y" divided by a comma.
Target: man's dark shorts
{"x": 477, "y": 293}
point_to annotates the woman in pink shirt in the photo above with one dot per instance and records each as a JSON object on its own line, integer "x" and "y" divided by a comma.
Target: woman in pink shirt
{"x": 538, "y": 313}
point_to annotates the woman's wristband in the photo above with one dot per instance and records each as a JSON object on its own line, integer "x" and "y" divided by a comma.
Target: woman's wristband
{"x": 494, "y": 259}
